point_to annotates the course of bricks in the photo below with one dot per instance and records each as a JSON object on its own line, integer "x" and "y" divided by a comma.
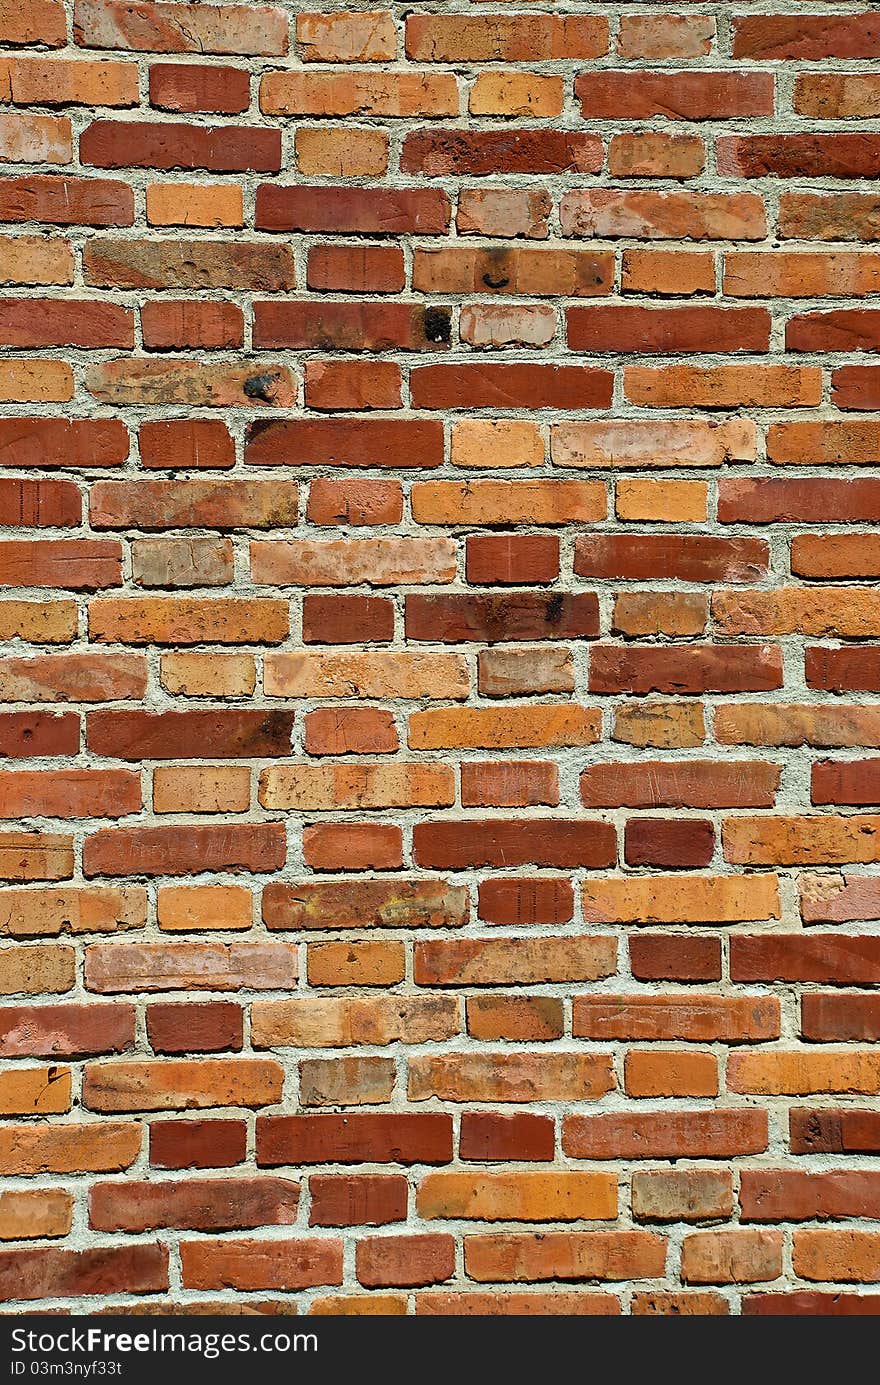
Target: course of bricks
{"x": 441, "y": 657}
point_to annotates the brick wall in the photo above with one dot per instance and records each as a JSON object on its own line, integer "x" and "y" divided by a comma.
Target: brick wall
{"x": 440, "y": 813}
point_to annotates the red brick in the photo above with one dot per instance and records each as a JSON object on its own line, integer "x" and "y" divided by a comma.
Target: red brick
{"x": 456, "y": 619}
{"x": 59, "y": 200}
{"x": 350, "y": 731}
{"x": 357, "y": 1200}
{"x": 397, "y": 903}
{"x": 345, "y": 210}
{"x": 405, "y": 1260}
{"x": 856, "y": 387}
{"x": 199, "y": 1144}
{"x": 495, "y": 842}
{"x": 166, "y": 851}
{"x": 690, "y": 669}
{"x": 439, "y": 153}
{"x": 355, "y": 268}
{"x": 55, "y": 1272}
{"x": 556, "y": 1255}
{"x": 41, "y": 21}
{"x": 65, "y": 1029}
{"x": 355, "y": 1138}
{"x": 503, "y": 38}
{"x": 355, "y": 846}
{"x": 673, "y": 784}
{"x": 199, "y": 87}
{"x": 230, "y": 733}
{"x": 671, "y": 957}
{"x": 539, "y": 900}
{"x": 510, "y": 558}
{"x": 73, "y": 564}
{"x": 335, "y": 386}
{"x": 287, "y": 1264}
{"x": 845, "y": 781}
{"x": 626, "y": 327}
{"x": 841, "y": 1130}
{"x": 354, "y": 502}
{"x": 165, "y": 263}
{"x": 33, "y": 322}
{"x": 203, "y": 1204}
{"x": 171, "y": 144}
{"x": 349, "y": 326}
{"x": 686, "y": 558}
{"x": 842, "y": 959}
{"x": 398, "y": 442}
{"x": 797, "y": 156}
{"x": 493, "y": 386}
{"x": 196, "y": 1027}
{"x": 807, "y": 500}
{"x": 27, "y": 503}
{"x": 69, "y": 793}
{"x": 182, "y": 325}
{"x": 509, "y": 784}
{"x": 186, "y": 443}
{"x": 496, "y": 1136}
{"x": 633, "y": 95}
{"x": 347, "y": 619}
{"x": 56, "y": 442}
{"x": 845, "y": 329}
{"x": 806, "y": 1304}
{"x": 30, "y": 734}
{"x": 806, "y": 36}
{"x": 717, "y": 1134}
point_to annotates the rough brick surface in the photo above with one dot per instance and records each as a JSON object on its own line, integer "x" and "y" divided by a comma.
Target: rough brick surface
{"x": 440, "y": 742}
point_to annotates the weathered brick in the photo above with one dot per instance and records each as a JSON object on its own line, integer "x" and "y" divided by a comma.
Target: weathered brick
{"x": 722, "y": 1133}
{"x": 216, "y": 88}
{"x": 205, "y": 1204}
{"x": 517, "y": 1076}
{"x": 505, "y": 961}
{"x": 331, "y": 1022}
{"x": 703, "y": 1018}
{"x": 179, "y": 1083}
{"x": 55, "y": 1272}
{"x": 180, "y": 28}
{"x": 650, "y": 215}
{"x": 167, "y": 851}
{"x": 646, "y": 443}
{"x": 689, "y": 1195}
{"x": 518, "y": 1258}
{"x": 390, "y": 95}
{"x": 440, "y": 541}
{"x": 270, "y": 1264}
{"x": 176, "y": 966}
{"x": 731, "y": 1257}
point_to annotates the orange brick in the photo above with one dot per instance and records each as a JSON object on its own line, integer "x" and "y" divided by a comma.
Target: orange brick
{"x": 191, "y": 908}
{"x": 669, "y": 1073}
{"x": 518, "y": 1197}
{"x": 355, "y": 964}
{"x": 201, "y": 789}
{"x": 341, "y": 153}
{"x": 191, "y": 204}
{"x": 667, "y": 502}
